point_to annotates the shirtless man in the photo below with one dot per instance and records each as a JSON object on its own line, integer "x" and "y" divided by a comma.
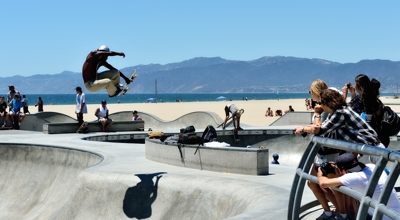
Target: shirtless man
{"x": 109, "y": 79}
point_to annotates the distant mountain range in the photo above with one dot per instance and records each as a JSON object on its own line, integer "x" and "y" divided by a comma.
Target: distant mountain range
{"x": 218, "y": 75}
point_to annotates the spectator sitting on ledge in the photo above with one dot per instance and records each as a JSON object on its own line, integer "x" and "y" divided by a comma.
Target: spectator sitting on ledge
{"x": 136, "y": 117}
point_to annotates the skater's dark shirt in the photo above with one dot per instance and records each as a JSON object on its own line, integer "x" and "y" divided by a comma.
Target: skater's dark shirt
{"x": 3, "y": 107}
{"x": 94, "y": 60}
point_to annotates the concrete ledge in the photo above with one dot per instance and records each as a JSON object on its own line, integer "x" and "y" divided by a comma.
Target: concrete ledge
{"x": 250, "y": 161}
{"x": 94, "y": 126}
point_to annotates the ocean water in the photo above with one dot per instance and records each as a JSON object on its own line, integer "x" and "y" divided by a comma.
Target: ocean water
{"x": 94, "y": 98}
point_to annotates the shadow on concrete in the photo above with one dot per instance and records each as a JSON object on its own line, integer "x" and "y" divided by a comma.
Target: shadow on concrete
{"x": 138, "y": 199}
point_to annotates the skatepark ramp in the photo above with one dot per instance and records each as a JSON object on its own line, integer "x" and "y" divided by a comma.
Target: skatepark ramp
{"x": 199, "y": 119}
{"x": 45, "y": 182}
{"x": 294, "y": 118}
{"x": 34, "y": 122}
{"x": 36, "y": 180}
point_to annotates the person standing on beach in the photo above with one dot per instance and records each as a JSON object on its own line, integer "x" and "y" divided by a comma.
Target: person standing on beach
{"x": 39, "y": 104}
{"x": 11, "y": 93}
{"x": 109, "y": 79}
{"x": 25, "y": 104}
{"x": 235, "y": 116}
{"x": 80, "y": 105}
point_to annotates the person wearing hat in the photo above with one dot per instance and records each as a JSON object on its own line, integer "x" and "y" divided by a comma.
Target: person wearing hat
{"x": 102, "y": 116}
{"x": 236, "y": 113}
{"x": 136, "y": 117}
{"x": 351, "y": 173}
{"x": 15, "y": 106}
{"x": 11, "y": 93}
{"x": 109, "y": 79}
{"x": 81, "y": 107}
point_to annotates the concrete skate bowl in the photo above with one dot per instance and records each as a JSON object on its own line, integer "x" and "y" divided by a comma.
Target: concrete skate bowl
{"x": 34, "y": 122}
{"x": 35, "y": 181}
{"x": 199, "y": 119}
{"x": 172, "y": 196}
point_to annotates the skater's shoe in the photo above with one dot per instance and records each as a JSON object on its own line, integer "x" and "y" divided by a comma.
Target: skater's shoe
{"x": 240, "y": 129}
{"x": 119, "y": 90}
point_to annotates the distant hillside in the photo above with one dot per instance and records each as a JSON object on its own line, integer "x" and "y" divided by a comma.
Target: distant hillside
{"x": 217, "y": 75}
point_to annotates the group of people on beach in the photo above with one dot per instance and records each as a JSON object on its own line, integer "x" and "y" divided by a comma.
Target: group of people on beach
{"x": 334, "y": 118}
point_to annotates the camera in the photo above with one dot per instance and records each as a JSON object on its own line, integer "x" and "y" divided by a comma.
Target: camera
{"x": 326, "y": 168}
{"x": 348, "y": 85}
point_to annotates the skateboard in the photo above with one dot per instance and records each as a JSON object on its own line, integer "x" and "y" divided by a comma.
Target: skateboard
{"x": 6, "y": 128}
{"x": 125, "y": 87}
{"x": 82, "y": 127}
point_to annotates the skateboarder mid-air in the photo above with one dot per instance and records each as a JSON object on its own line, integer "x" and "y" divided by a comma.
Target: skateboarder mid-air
{"x": 108, "y": 79}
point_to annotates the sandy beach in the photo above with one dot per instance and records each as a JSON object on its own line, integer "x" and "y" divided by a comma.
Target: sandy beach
{"x": 254, "y": 109}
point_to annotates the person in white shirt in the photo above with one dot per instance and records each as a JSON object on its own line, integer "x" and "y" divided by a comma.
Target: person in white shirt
{"x": 356, "y": 175}
{"x": 80, "y": 105}
{"x": 102, "y": 116}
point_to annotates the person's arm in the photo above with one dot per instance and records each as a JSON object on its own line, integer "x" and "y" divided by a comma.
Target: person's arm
{"x": 83, "y": 98}
{"x": 97, "y": 113}
{"x": 98, "y": 53}
{"x": 325, "y": 182}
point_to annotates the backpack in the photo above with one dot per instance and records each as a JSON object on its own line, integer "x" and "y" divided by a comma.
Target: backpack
{"x": 390, "y": 124}
{"x": 188, "y": 129}
{"x": 189, "y": 138}
{"x": 209, "y": 135}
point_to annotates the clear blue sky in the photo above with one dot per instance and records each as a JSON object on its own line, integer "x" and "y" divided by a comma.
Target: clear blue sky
{"x": 48, "y": 37}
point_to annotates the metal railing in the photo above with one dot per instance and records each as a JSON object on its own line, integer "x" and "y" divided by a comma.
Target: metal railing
{"x": 366, "y": 201}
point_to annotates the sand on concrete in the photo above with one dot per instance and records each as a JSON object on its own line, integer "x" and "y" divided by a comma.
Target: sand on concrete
{"x": 254, "y": 109}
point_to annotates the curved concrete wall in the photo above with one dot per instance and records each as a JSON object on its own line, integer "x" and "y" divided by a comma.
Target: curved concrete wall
{"x": 37, "y": 180}
{"x": 34, "y": 122}
{"x": 199, "y": 119}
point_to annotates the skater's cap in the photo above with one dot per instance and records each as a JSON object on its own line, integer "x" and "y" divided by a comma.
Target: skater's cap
{"x": 11, "y": 85}
{"x": 103, "y": 101}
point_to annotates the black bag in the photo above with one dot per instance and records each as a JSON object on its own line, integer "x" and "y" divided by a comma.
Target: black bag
{"x": 188, "y": 129}
{"x": 189, "y": 138}
{"x": 209, "y": 134}
{"x": 390, "y": 124}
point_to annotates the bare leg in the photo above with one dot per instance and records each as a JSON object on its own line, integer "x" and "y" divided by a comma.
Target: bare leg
{"x": 22, "y": 117}
{"x": 340, "y": 198}
{"x": 12, "y": 117}
{"x": 108, "y": 125}
{"x": 226, "y": 119}
{"x": 319, "y": 192}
